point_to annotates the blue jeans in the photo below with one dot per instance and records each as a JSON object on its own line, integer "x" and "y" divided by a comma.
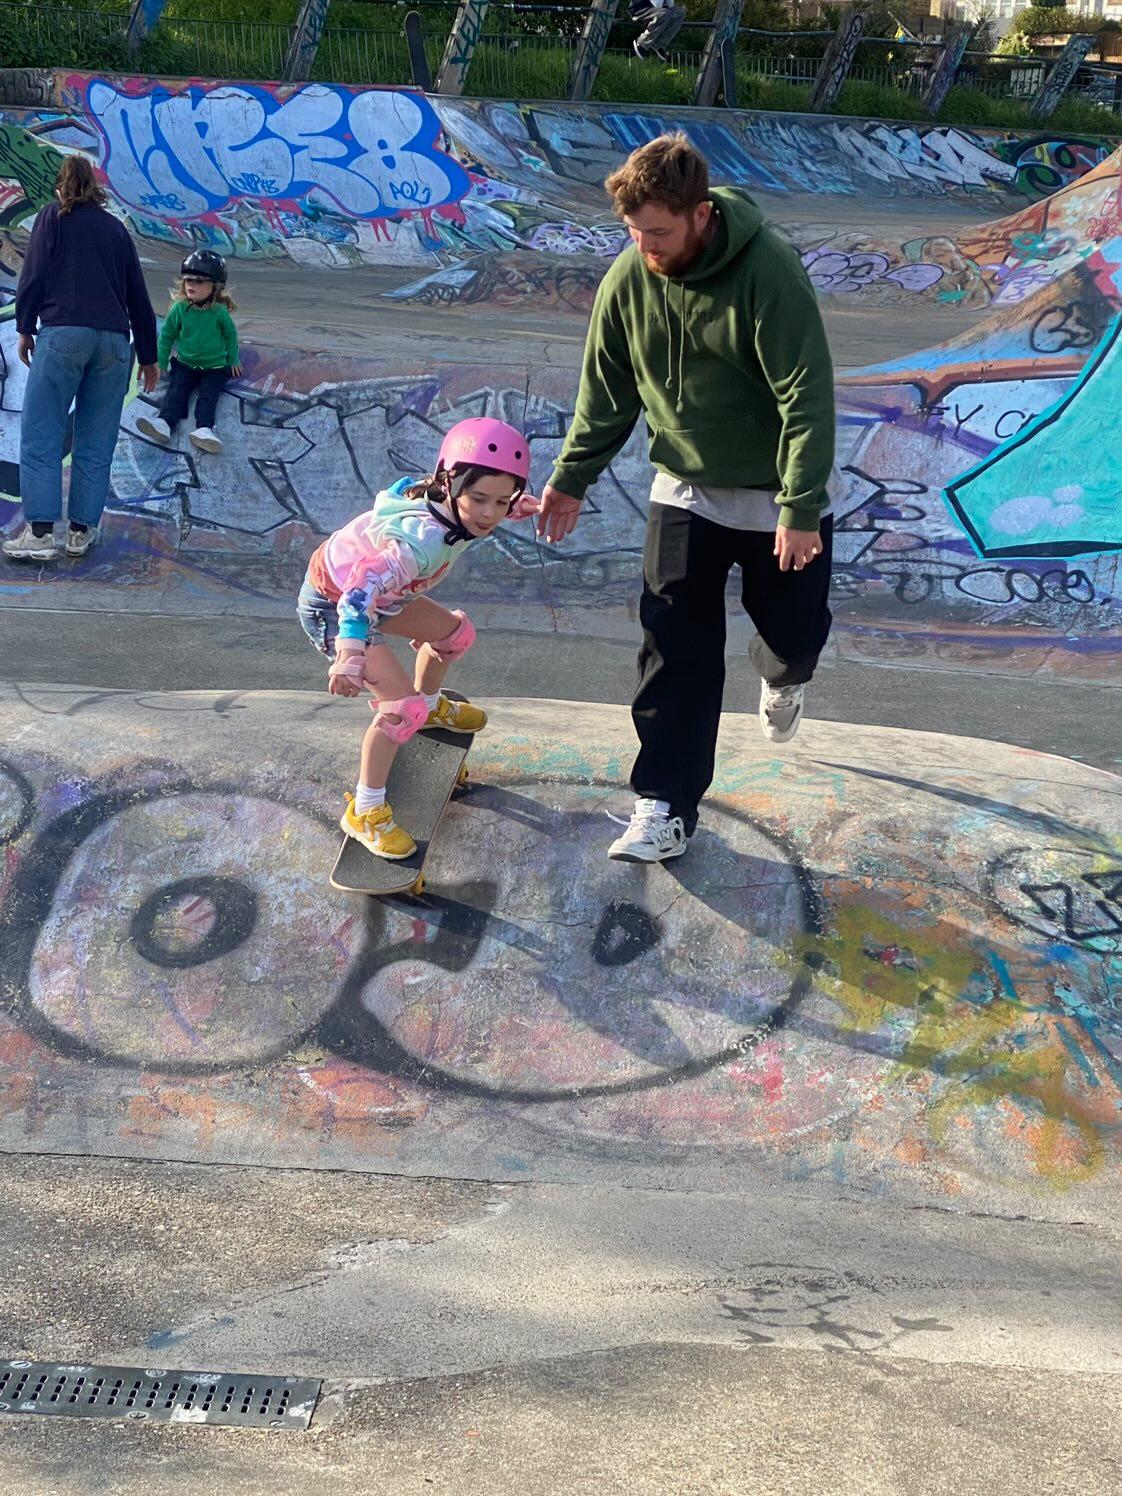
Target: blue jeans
{"x": 319, "y": 618}
{"x": 88, "y": 367}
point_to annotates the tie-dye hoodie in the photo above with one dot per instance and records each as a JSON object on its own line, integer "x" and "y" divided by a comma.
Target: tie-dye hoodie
{"x": 383, "y": 558}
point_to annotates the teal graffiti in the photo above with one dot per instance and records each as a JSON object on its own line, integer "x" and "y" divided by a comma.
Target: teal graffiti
{"x": 1054, "y": 489}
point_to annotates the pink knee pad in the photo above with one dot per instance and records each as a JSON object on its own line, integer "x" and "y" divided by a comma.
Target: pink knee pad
{"x": 413, "y": 711}
{"x": 458, "y": 642}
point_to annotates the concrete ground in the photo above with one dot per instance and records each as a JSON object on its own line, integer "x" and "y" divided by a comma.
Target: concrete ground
{"x": 746, "y": 1361}
{"x": 1076, "y": 719}
{"x": 531, "y": 1174}
{"x": 886, "y": 1261}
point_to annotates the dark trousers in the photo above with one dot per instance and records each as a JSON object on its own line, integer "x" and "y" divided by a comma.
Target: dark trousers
{"x": 677, "y": 708}
{"x": 183, "y": 380}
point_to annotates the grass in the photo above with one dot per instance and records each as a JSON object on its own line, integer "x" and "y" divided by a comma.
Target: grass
{"x": 210, "y": 38}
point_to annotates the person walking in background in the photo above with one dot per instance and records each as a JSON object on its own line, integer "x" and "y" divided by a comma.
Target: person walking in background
{"x": 80, "y": 292}
{"x": 199, "y": 326}
{"x": 662, "y": 21}
{"x": 710, "y": 326}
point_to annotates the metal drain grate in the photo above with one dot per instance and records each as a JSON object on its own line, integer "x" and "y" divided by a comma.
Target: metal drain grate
{"x": 59, "y": 1391}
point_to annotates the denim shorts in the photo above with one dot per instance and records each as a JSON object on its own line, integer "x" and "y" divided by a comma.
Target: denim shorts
{"x": 319, "y": 618}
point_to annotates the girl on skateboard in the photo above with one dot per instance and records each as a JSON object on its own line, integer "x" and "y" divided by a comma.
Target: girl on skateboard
{"x": 368, "y": 580}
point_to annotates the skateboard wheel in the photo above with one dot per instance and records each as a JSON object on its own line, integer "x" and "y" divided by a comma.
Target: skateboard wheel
{"x": 463, "y": 776}
{"x": 417, "y": 887}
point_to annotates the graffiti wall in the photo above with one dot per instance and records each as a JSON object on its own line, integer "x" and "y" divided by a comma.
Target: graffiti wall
{"x": 500, "y": 205}
{"x": 1000, "y": 503}
{"x": 309, "y": 441}
{"x": 177, "y": 977}
{"x": 333, "y": 175}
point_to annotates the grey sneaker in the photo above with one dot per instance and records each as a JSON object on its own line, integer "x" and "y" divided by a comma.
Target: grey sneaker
{"x": 27, "y": 546}
{"x": 206, "y": 439}
{"x": 78, "y": 542}
{"x": 781, "y": 711}
{"x": 155, "y": 427}
{"x": 651, "y": 836}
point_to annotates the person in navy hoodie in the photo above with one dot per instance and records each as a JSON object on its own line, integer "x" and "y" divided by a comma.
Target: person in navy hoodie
{"x": 79, "y": 294}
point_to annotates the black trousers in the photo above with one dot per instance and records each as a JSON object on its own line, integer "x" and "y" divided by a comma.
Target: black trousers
{"x": 677, "y": 708}
{"x": 183, "y": 380}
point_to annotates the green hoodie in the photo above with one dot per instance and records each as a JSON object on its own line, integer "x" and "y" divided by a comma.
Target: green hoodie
{"x": 203, "y": 337}
{"x": 728, "y": 360}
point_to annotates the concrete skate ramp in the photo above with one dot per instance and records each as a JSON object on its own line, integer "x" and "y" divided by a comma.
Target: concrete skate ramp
{"x": 405, "y": 262}
{"x": 889, "y": 962}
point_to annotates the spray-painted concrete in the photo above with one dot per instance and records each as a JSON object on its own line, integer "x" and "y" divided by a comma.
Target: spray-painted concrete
{"x": 890, "y": 961}
{"x": 874, "y": 1014}
{"x": 976, "y": 515}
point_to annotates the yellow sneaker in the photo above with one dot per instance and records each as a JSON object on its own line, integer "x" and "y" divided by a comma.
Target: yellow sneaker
{"x": 456, "y": 716}
{"x": 378, "y": 832}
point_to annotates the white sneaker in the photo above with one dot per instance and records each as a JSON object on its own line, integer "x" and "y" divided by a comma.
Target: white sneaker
{"x": 206, "y": 439}
{"x": 781, "y": 711}
{"x": 26, "y": 546}
{"x": 78, "y": 542}
{"x": 155, "y": 427}
{"x": 651, "y": 835}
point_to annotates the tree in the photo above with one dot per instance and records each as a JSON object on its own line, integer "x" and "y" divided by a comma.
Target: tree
{"x": 984, "y": 36}
{"x": 1044, "y": 20}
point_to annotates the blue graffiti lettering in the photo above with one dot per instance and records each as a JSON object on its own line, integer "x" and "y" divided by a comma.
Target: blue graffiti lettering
{"x": 196, "y": 150}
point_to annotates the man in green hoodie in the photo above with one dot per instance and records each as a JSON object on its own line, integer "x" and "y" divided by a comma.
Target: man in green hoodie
{"x": 711, "y": 329}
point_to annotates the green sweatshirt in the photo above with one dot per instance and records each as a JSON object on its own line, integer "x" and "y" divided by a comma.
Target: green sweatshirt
{"x": 729, "y": 362}
{"x": 203, "y": 336}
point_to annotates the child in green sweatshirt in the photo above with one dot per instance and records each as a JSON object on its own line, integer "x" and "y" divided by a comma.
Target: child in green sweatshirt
{"x": 201, "y": 330}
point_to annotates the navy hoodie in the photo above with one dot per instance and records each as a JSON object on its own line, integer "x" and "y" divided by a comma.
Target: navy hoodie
{"x": 82, "y": 270}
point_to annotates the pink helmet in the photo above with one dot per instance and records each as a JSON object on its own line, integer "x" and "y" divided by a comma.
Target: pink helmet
{"x": 484, "y": 442}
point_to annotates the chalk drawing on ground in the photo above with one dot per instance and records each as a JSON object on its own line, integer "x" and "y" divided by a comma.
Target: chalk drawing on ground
{"x": 950, "y": 1014}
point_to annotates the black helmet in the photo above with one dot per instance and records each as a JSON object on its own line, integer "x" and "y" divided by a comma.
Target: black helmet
{"x": 205, "y": 264}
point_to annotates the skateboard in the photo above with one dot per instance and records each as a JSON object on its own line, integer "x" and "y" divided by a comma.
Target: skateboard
{"x": 424, "y": 774}
{"x": 418, "y": 62}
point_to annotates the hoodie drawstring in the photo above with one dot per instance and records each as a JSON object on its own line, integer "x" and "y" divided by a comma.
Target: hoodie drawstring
{"x": 670, "y": 341}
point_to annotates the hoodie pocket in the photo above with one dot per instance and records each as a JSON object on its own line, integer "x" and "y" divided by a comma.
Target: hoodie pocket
{"x": 688, "y": 451}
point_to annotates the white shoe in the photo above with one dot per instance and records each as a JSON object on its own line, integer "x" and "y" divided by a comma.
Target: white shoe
{"x": 78, "y": 542}
{"x": 26, "y": 546}
{"x": 651, "y": 835}
{"x": 155, "y": 427}
{"x": 781, "y": 711}
{"x": 206, "y": 439}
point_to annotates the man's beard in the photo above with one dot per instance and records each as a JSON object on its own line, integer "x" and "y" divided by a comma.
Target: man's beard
{"x": 681, "y": 261}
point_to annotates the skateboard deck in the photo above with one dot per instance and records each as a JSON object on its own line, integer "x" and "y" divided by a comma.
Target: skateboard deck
{"x": 418, "y": 62}
{"x": 425, "y": 772}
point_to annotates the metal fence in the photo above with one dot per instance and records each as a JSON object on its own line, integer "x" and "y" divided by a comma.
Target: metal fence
{"x": 60, "y": 33}
{"x": 527, "y": 51}
{"x": 351, "y": 55}
{"x": 227, "y": 49}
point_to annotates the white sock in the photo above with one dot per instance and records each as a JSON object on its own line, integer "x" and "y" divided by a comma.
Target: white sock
{"x": 368, "y": 799}
{"x": 433, "y": 701}
{"x": 644, "y": 806}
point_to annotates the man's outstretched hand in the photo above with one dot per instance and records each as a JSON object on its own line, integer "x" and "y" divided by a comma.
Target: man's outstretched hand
{"x": 796, "y": 548}
{"x": 558, "y": 514}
